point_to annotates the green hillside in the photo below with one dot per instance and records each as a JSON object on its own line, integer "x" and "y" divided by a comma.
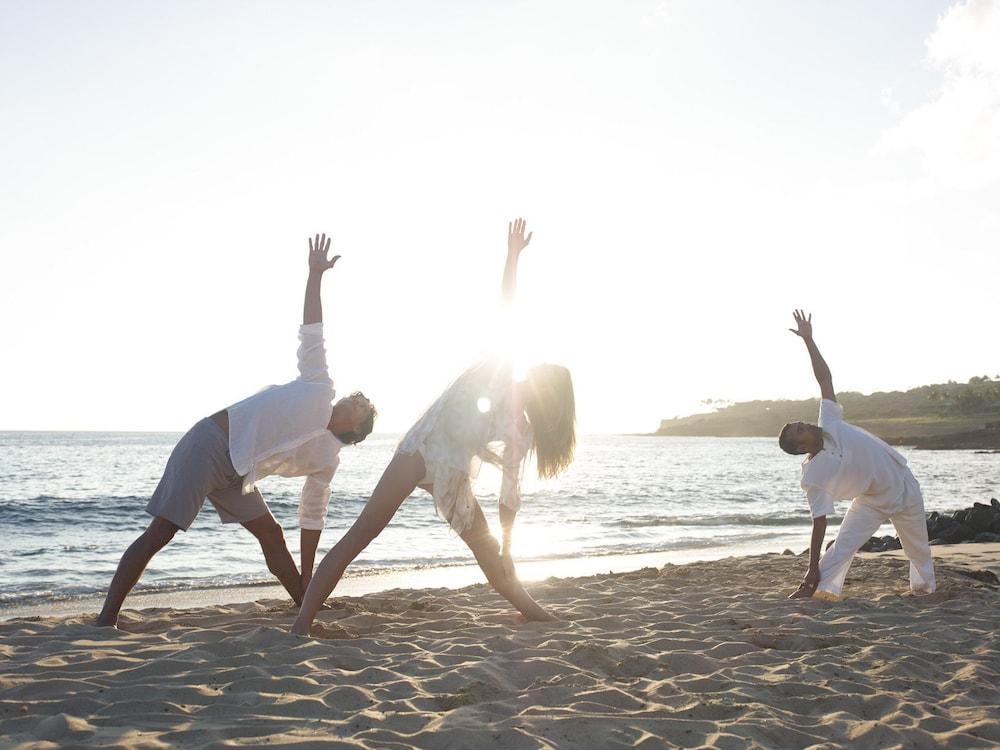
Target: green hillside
{"x": 961, "y": 415}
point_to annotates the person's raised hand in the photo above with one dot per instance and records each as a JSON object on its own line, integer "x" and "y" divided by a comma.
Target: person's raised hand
{"x": 803, "y": 323}
{"x": 516, "y": 241}
{"x": 318, "y": 248}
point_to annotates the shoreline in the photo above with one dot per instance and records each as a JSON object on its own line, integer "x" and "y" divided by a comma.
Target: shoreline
{"x": 971, "y": 556}
{"x": 451, "y": 577}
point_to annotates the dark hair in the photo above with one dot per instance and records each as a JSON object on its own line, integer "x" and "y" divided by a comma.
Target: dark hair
{"x": 786, "y": 442}
{"x": 364, "y": 429}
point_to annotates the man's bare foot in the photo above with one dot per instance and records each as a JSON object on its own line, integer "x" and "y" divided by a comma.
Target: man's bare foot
{"x": 106, "y": 621}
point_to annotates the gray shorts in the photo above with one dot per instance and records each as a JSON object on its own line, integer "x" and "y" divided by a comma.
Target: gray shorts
{"x": 200, "y": 467}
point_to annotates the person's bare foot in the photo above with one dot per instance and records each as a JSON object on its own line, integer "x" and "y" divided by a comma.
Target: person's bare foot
{"x": 106, "y": 621}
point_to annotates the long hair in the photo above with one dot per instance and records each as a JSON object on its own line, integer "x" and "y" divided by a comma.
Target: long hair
{"x": 551, "y": 408}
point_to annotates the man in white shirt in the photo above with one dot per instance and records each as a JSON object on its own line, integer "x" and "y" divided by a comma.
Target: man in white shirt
{"x": 291, "y": 430}
{"x": 845, "y": 462}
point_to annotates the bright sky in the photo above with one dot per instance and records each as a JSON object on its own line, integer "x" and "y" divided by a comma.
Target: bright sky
{"x": 692, "y": 171}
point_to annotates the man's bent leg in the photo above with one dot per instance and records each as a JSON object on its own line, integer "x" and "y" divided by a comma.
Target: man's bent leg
{"x": 859, "y": 524}
{"x": 156, "y": 536}
{"x": 279, "y": 559}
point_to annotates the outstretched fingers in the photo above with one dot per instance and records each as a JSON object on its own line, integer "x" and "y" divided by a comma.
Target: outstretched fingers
{"x": 319, "y": 247}
{"x": 515, "y": 234}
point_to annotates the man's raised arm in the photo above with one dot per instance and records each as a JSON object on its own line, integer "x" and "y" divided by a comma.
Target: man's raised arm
{"x": 312, "y": 310}
{"x": 804, "y": 331}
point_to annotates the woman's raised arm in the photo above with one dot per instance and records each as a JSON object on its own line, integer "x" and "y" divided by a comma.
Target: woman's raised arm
{"x": 516, "y": 242}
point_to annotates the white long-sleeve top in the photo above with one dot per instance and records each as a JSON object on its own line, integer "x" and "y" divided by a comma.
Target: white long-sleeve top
{"x": 283, "y": 430}
{"x": 852, "y": 464}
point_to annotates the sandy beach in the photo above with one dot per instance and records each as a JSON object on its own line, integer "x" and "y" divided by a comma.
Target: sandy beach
{"x": 704, "y": 654}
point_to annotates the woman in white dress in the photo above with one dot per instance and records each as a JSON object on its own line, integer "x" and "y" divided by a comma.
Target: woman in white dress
{"x": 484, "y": 408}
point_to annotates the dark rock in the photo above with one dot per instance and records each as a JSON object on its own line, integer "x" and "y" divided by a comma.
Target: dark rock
{"x": 935, "y": 542}
{"x": 938, "y": 525}
{"x": 788, "y": 552}
{"x": 986, "y": 536}
{"x": 956, "y": 533}
{"x": 995, "y": 526}
{"x": 881, "y": 544}
{"x": 995, "y": 503}
{"x": 979, "y": 518}
{"x": 959, "y": 516}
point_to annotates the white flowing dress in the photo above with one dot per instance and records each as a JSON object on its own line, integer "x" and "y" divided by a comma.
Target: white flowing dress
{"x": 476, "y": 419}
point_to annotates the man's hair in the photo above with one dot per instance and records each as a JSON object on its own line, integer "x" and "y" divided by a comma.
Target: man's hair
{"x": 364, "y": 429}
{"x": 786, "y": 443}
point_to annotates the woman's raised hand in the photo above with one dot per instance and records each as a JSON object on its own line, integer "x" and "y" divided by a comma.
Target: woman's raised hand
{"x": 318, "y": 248}
{"x": 516, "y": 241}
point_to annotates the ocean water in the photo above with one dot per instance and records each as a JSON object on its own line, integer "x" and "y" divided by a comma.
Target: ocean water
{"x": 70, "y": 503}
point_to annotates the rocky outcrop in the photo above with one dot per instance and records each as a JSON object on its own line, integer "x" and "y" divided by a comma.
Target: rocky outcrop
{"x": 980, "y": 523}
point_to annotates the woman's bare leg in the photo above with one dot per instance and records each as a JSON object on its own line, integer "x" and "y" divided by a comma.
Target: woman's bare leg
{"x": 398, "y": 480}
{"x": 487, "y": 551}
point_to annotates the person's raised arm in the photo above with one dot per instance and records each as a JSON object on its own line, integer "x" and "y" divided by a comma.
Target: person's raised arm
{"x": 804, "y": 331}
{"x": 312, "y": 310}
{"x": 516, "y": 242}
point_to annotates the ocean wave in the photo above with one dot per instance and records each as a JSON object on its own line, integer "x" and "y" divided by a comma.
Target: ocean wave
{"x": 740, "y": 519}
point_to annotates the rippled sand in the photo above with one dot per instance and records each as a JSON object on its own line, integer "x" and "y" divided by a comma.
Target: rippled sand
{"x": 707, "y": 654}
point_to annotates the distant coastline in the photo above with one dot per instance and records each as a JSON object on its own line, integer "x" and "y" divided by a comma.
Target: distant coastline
{"x": 946, "y": 416}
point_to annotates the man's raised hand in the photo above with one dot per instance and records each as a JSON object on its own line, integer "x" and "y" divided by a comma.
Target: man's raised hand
{"x": 804, "y": 323}
{"x": 318, "y": 248}
{"x": 516, "y": 241}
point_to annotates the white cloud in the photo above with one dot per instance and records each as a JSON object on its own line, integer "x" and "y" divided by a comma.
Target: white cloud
{"x": 957, "y": 132}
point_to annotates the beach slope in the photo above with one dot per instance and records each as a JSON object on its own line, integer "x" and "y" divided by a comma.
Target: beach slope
{"x": 710, "y": 653}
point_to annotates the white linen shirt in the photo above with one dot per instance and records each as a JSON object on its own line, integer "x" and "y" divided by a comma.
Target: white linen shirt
{"x": 853, "y": 464}
{"x": 283, "y": 430}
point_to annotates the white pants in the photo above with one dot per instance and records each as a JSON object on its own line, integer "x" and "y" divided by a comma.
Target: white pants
{"x": 861, "y": 521}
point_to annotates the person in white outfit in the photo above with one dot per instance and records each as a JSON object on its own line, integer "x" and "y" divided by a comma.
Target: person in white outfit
{"x": 484, "y": 408}
{"x": 845, "y": 462}
{"x": 292, "y": 430}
